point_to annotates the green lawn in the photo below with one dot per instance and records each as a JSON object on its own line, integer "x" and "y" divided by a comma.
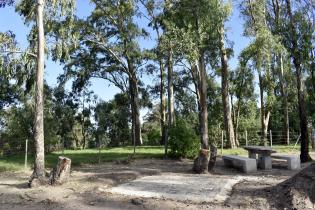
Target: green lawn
{"x": 90, "y": 156}
{"x": 280, "y": 149}
{"x": 87, "y": 156}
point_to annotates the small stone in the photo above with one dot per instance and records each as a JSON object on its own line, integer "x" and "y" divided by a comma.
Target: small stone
{"x": 137, "y": 202}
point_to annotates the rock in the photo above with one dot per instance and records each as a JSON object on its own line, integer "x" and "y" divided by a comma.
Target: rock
{"x": 136, "y": 202}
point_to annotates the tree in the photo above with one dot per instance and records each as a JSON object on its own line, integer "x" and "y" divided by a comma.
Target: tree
{"x": 296, "y": 56}
{"x": 39, "y": 168}
{"x": 154, "y": 16}
{"x": 275, "y": 21}
{"x": 64, "y": 109}
{"x": 85, "y": 101}
{"x": 16, "y": 72}
{"x": 37, "y": 13}
{"x": 120, "y": 61}
{"x": 242, "y": 82}
{"x": 261, "y": 52}
{"x": 112, "y": 119}
{"x": 4, "y": 3}
{"x": 197, "y": 34}
{"x": 229, "y": 127}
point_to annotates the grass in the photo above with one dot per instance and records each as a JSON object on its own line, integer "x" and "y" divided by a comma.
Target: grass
{"x": 79, "y": 157}
{"x": 91, "y": 156}
{"x": 279, "y": 148}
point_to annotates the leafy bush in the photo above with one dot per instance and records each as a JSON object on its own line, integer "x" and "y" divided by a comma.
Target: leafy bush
{"x": 154, "y": 137}
{"x": 6, "y": 149}
{"x": 183, "y": 140}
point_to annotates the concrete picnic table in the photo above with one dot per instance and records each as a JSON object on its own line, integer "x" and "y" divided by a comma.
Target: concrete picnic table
{"x": 264, "y": 155}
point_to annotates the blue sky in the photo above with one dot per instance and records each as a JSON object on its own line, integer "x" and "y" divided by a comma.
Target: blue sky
{"x": 9, "y": 20}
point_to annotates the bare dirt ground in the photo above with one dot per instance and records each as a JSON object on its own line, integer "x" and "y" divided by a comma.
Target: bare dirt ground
{"x": 90, "y": 186}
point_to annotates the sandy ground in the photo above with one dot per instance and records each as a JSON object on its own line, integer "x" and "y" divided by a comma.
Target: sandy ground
{"x": 91, "y": 187}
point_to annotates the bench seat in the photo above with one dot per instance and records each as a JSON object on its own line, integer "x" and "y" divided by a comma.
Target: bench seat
{"x": 245, "y": 164}
{"x": 293, "y": 161}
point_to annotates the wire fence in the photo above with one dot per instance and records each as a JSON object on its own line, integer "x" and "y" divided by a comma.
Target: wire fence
{"x": 255, "y": 138}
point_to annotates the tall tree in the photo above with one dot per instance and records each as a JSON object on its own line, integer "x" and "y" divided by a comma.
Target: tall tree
{"x": 275, "y": 22}
{"x": 39, "y": 167}
{"x": 35, "y": 11}
{"x": 229, "y": 127}
{"x": 196, "y": 28}
{"x": 109, "y": 49}
{"x": 261, "y": 52}
{"x": 154, "y": 9}
{"x": 296, "y": 56}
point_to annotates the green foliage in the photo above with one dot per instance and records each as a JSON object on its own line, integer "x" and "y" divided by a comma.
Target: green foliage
{"x": 154, "y": 137}
{"x": 16, "y": 70}
{"x": 81, "y": 157}
{"x": 113, "y": 118}
{"x": 183, "y": 140}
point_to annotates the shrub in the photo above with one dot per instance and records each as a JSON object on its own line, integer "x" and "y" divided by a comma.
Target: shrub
{"x": 183, "y": 141}
{"x": 154, "y": 137}
{"x": 6, "y": 149}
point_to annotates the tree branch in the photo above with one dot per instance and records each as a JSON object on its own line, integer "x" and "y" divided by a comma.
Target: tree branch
{"x": 16, "y": 51}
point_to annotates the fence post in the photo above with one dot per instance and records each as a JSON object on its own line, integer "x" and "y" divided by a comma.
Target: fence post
{"x": 63, "y": 146}
{"x": 99, "y": 151}
{"x": 222, "y": 138}
{"x": 270, "y": 133}
{"x": 313, "y": 139}
{"x": 246, "y": 141}
{"x": 25, "y": 163}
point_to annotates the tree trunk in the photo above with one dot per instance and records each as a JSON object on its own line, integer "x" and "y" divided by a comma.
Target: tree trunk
{"x": 201, "y": 163}
{"x": 295, "y": 53}
{"x": 238, "y": 110}
{"x": 170, "y": 95}
{"x": 82, "y": 125}
{"x": 39, "y": 167}
{"x": 135, "y": 110}
{"x": 163, "y": 104}
{"x": 264, "y": 121}
{"x": 61, "y": 173}
{"x": 229, "y": 128}
{"x": 312, "y": 69}
{"x": 286, "y": 131}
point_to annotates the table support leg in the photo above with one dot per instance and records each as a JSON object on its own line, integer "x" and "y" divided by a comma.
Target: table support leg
{"x": 252, "y": 155}
{"x": 264, "y": 162}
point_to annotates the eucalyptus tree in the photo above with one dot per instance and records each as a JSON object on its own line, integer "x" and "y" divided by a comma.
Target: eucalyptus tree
{"x": 296, "y": 49}
{"x": 242, "y": 88}
{"x": 109, "y": 49}
{"x": 15, "y": 68}
{"x": 4, "y": 3}
{"x": 197, "y": 26}
{"x": 261, "y": 51}
{"x": 229, "y": 127}
{"x": 275, "y": 22}
{"x": 41, "y": 14}
{"x": 85, "y": 100}
{"x": 112, "y": 119}
{"x": 154, "y": 10}
{"x": 64, "y": 109}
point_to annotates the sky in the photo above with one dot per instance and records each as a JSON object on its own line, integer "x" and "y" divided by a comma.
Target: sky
{"x": 9, "y": 20}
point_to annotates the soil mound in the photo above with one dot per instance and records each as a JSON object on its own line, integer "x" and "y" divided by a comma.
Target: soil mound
{"x": 298, "y": 192}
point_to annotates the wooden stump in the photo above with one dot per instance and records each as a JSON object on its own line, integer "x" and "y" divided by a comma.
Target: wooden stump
{"x": 61, "y": 173}
{"x": 201, "y": 162}
{"x": 213, "y": 157}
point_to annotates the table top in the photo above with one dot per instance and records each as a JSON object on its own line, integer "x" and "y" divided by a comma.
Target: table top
{"x": 259, "y": 148}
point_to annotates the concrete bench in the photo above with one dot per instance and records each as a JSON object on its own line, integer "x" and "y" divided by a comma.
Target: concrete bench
{"x": 245, "y": 164}
{"x": 292, "y": 160}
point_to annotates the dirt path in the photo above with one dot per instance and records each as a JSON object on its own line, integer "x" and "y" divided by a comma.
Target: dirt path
{"x": 89, "y": 186}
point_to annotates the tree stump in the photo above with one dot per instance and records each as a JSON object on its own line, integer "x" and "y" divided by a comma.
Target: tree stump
{"x": 201, "y": 162}
{"x": 61, "y": 173}
{"x": 213, "y": 157}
